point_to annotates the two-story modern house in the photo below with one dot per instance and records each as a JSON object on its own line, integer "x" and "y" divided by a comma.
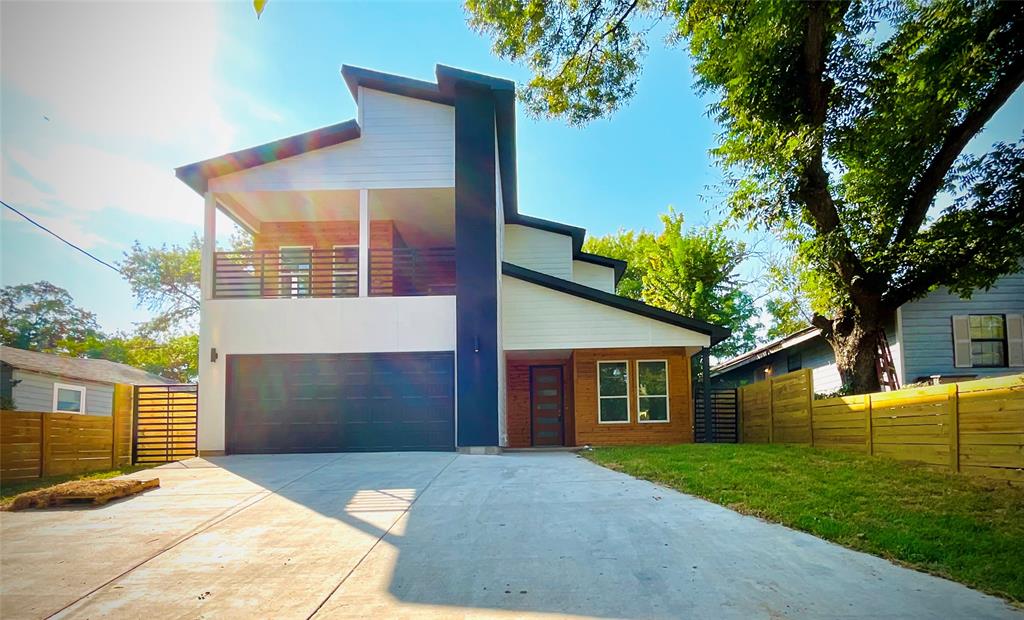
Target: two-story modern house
{"x": 396, "y": 299}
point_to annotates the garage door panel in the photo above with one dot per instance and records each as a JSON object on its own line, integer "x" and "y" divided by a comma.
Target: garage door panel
{"x": 343, "y": 402}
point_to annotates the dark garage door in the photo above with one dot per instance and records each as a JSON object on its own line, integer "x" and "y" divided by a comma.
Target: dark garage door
{"x": 334, "y": 403}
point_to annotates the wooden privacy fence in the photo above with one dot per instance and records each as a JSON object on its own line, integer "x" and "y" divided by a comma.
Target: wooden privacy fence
{"x": 166, "y": 422}
{"x": 974, "y": 427}
{"x": 35, "y": 444}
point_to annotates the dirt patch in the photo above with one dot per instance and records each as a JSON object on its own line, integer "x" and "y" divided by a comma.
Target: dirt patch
{"x": 95, "y": 492}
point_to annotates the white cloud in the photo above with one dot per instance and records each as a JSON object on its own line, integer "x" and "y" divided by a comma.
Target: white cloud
{"x": 84, "y": 180}
{"x": 139, "y": 70}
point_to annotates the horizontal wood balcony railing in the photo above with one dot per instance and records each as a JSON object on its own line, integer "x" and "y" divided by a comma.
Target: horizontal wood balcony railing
{"x": 403, "y": 272}
{"x": 298, "y": 272}
{"x": 294, "y": 272}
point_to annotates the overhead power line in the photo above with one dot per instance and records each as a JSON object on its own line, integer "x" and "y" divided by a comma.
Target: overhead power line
{"x": 86, "y": 252}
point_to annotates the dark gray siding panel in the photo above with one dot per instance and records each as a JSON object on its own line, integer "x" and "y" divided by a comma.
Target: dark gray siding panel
{"x": 476, "y": 267}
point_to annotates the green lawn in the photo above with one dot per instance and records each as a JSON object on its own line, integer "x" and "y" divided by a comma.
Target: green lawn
{"x": 949, "y": 525}
{"x": 9, "y": 489}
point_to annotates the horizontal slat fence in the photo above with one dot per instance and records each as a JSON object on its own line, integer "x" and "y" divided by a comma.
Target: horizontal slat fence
{"x": 974, "y": 427}
{"x": 35, "y": 444}
{"x": 166, "y": 422}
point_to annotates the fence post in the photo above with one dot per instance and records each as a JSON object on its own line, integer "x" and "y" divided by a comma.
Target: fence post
{"x": 44, "y": 445}
{"x": 867, "y": 415}
{"x": 954, "y": 427}
{"x": 771, "y": 410}
{"x": 739, "y": 414}
{"x": 810, "y": 405}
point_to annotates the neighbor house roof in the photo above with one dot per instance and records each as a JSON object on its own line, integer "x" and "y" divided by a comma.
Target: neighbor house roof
{"x": 764, "y": 351}
{"x": 99, "y": 371}
{"x": 715, "y": 332}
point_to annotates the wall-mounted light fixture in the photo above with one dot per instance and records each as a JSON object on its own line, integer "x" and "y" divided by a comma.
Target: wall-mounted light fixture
{"x": 213, "y": 354}
{"x": 476, "y": 344}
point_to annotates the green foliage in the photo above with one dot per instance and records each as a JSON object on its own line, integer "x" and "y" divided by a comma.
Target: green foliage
{"x": 843, "y": 127}
{"x": 41, "y": 316}
{"x": 689, "y": 271}
{"x": 946, "y": 524}
{"x": 174, "y": 357}
{"x": 166, "y": 280}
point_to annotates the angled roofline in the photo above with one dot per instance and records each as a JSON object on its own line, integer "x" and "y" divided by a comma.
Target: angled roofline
{"x": 395, "y": 84}
{"x": 715, "y": 332}
{"x": 198, "y": 175}
{"x": 618, "y": 265}
{"x": 763, "y": 351}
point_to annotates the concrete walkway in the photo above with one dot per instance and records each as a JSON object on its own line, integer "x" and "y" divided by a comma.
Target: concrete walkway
{"x": 427, "y": 534}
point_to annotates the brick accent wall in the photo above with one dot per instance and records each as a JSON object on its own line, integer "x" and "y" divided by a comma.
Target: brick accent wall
{"x": 679, "y": 429}
{"x": 517, "y": 403}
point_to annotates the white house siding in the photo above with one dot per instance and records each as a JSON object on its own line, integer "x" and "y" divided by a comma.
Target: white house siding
{"x": 343, "y": 325}
{"x": 536, "y": 318}
{"x": 927, "y": 327}
{"x": 34, "y": 392}
{"x": 404, "y": 143}
{"x": 594, "y": 276}
{"x": 539, "y": 250}
{"x": 499, "y": 240}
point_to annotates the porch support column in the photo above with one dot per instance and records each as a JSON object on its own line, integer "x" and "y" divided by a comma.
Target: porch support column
{"x": 364, "y": 242}
{"x": 705, "y": 363}
{"x": 207, "y": 262}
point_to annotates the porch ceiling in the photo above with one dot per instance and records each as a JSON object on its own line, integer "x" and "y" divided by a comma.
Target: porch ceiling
{"x": 424, "y": 217}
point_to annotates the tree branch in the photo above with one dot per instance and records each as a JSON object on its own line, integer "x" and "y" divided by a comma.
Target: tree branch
{"x": 931, "y": 180}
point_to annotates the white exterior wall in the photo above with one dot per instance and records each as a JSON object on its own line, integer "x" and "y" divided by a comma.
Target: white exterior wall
{"x": 539, "y": 250}
{"x": 34, "y": 392}
{"x": 344, "y": 325}
{"x": 594, "y": 276}
{"x": 500, "y": 241}
{"x": 536, "y": 317}
{"x": 405, "y": 142}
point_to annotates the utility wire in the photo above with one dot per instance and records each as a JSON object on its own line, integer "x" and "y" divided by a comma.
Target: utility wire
{"x": 86, "y": 252}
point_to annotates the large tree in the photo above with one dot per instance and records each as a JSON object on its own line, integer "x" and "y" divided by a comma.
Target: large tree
{"x": 41, "y": 317}
{"x": 692, "y": 271}
{"x": 844, "y": 124}
{"x": 166, "y": 279}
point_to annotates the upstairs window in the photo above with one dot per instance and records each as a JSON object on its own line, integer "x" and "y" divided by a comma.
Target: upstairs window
{"x": 296, "y": 268}
{"x": 613, "y": 392}
{"x": 652, "y": 382}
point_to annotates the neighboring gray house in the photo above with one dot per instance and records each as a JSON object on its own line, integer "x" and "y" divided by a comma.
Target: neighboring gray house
{"x": 938, "y": 337}
{"x": 47, "y": 382}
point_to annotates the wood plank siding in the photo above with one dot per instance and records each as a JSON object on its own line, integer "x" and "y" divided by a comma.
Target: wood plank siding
{"x": 679, "y": 428}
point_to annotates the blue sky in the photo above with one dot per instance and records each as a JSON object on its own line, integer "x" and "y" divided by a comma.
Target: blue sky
{"x": 101, "y": 101}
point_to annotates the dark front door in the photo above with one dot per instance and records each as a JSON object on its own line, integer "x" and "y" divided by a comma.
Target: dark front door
{"x": 340, "y": 402}
{"x": 547, "y": 404}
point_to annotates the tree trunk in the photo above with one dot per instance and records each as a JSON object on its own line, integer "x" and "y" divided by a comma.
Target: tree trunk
{"x": 854, "y": 340}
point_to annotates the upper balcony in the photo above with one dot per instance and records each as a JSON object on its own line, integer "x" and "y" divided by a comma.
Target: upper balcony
{"x": 336, "y": 243}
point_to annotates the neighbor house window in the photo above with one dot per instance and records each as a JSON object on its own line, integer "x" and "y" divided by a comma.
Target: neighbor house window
{"x": 988, "y": 340}
{"x": 296, "y": 267}
{"x": 652, "y": 383}
{"x": 795, "y": 361}
{"x": 613, "y": 392}
{"x": 68, "y": 398}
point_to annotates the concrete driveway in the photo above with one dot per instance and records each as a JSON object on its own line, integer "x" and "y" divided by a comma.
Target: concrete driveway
{"x": 427, "y": 534}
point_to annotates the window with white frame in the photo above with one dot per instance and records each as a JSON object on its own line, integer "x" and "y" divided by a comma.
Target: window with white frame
{"x": 988, "y": 340}
{"x": 296, "y": 268}
{"x": 613, "y": 392}
{"x": 68, "y": 398}
{"x": 652, "y": 386}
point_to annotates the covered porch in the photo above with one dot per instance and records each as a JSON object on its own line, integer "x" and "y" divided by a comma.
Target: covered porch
{"x": 333, "y": 243}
